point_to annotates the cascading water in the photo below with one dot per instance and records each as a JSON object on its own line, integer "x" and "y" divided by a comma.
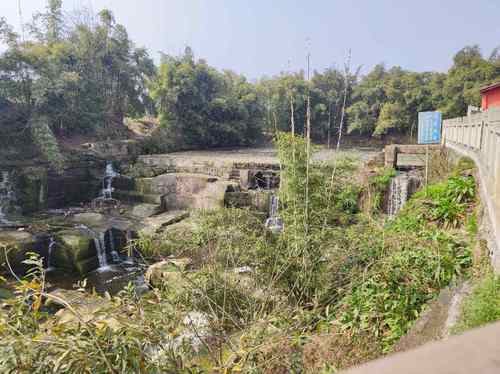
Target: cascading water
{"x": 403, "y": 185}
{"x": 114, "y": 254}
{"x": 107, "y": 182}
{"x": 6, "y": 196}
{"x": 273, "y": 209}
{"x": 100, "y": 247}
{"x": 268, "y": 182}
{"x": 50, "y": 255}
{"x": 274, "y": 222}
{"x": 130, "y": 258}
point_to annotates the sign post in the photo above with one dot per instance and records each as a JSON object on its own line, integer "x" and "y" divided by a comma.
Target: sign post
{"x": 429, "y": 132}
{"x": 429, "y": 127}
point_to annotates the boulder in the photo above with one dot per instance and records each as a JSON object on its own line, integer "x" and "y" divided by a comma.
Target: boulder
{"x": 259, "y": 200}
{"x": 32, "y": 189}
{"x": 17, "y": 244}
{"x": 155, "y": 224}
{"x": 75, "y": 250}
{"x": 89, "y": 219}
{"x": 83, "y": 308}
{"x": 145, "y": 210}
{"x": 168, "y": 273}
{"x": 194, "y": 330}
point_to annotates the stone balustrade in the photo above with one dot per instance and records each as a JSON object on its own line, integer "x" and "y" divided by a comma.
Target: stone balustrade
{"x": 478, "y": 137}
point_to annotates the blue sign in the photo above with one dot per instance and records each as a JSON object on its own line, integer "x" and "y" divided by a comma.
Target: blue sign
{"x": 429, "y": 127}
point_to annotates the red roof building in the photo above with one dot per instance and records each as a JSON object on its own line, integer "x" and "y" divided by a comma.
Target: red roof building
{"x": 490, "y": 96}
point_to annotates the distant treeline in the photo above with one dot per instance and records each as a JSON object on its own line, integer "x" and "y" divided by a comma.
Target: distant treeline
{"x": 81, "y": 74}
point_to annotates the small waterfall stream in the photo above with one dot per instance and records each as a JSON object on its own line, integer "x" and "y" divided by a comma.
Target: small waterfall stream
{"x": 274, "y": 222}
{"x": 50, "y": 254}
{"x": 107, "y": 182}
{"x": 6, "y": 196}
{"x": 398, "y": 194}
{"x": 100, "y": 247}
{"x": 402, "y": 186}
{"x": 114, "y": 254}
{"x": 130, "y": 248}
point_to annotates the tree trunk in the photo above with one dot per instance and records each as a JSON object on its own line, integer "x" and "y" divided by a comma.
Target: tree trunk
{"x": 329, "y": 124}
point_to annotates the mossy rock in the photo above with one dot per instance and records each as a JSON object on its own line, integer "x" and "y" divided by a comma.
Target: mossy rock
{"x": 169, "y": 273}
{"x": 75, "y": 250}
{"x": 32, "y": 188}
{"x": 144, "y": 186}
{"x": 87, "y": 265}
{"x": 5, "y": 293}
{"x": 260, "y": 200}
{"x": 17, "y": 245}
{"x": 89, "y": 219}
{"x": 464, "y": 163}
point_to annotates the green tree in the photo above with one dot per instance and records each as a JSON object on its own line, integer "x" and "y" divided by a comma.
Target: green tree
{"x": 199, "y": 106}
{"x": 470, "y": 71}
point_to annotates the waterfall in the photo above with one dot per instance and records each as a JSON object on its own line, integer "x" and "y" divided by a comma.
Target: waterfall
{"x": 130, "y": 258}
{"x": 50, "y": 255}
{"x": 273, "y": 206}
{"x": 100, "y": 247}
{"x": 268, "y": 182}
{"x": 107, "y": 182}
{"x": 398, "y": 194}
{"x": 114, "y": 254}
{"x": 274, "y": 222}
{"x": 6, "y": 196}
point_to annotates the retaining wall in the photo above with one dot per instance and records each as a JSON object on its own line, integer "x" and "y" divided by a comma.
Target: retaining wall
{"x": 478, "y": 136}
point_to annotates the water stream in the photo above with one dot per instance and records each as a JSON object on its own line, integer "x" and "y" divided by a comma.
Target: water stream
{"x": 398, "y": 194}
{"x": 50, "y": 254}
{"x": 114, "y": 271}
{"x": 274, "y": 222}
{"x": 100, "y": 247}
{"x": 403, "y": 185}
{"x": 107, "y": 182}
{"x": 114, "y": 254}
{"x": 6, "y": 196}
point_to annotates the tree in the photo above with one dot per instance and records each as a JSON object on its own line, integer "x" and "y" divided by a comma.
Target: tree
{"x": 73, "y": 78}
{"x": 199, "y": 106}
{"x": 470, "y": 71}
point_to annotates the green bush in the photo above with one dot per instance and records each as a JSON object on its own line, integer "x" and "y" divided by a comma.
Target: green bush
{"x": 482, "y": 306}
{"x": 385, "y": 300}
{"x": 445, "y": 203}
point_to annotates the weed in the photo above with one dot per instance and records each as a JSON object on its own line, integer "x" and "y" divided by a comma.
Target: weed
{"x": 482, "y": 306}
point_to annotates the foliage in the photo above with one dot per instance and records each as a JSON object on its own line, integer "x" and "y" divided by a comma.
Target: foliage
{"x": 482, "y": 306}
{"x": 406, "y": 264}
{"x": 47, "y": 143}
{"x": 332, "y": 296}
{"x": 394, "y": 288}
{"x": 447, "y": 202}
{"x": 202, "y": 107}
{"x": 376, "y": 188}
{"x": 31, "y": 342}
{"x": 82, "y": 77}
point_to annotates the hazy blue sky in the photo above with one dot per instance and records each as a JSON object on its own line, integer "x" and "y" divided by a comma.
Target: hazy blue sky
{"x": 260, "y": 37}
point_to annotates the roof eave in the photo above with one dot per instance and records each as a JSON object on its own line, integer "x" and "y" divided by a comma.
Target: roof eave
{"x": 489, "y": 88}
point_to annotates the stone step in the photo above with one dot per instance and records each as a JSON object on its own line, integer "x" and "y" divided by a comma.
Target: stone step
{"x": 137, "y": 197}
{"x": 156, "y": 224}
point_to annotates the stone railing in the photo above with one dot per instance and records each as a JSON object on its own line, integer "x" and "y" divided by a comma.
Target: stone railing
{"x": 478, "y": 137}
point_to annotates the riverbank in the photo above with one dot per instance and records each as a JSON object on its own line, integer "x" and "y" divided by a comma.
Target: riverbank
{"x": 315, "y": 283}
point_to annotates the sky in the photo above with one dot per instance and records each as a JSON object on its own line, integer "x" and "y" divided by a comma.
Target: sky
{"x": 265, "y": 37}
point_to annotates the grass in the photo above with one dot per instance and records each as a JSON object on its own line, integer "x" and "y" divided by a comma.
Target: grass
{"x": 482, "y": 306}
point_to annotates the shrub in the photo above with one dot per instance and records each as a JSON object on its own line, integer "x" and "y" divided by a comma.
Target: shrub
{"x": 391, "y": 293}
{"x": 482, "y": 306}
